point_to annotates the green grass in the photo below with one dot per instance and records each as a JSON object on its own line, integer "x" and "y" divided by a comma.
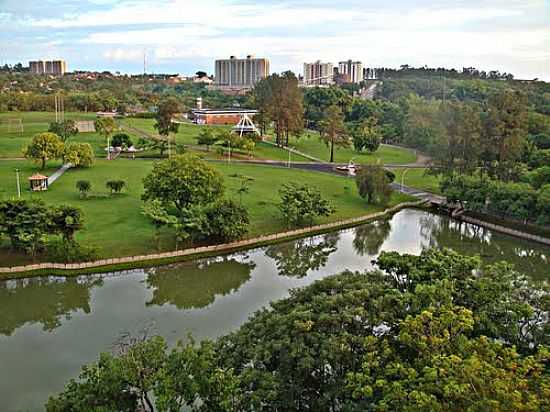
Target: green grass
{"x": 116, "y": 226}
{"x": 12, "y": 144}
{"x": 188, "y": 132}
{"x": 418, "y": 179}
{"x": 310, "y": 143}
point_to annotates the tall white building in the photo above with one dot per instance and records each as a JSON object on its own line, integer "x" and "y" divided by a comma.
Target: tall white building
{"x": 237, "y": 73}
{"x": 55, "y": 67}
{"x": 318, "y": 73}
{"x": 352, "y": 71}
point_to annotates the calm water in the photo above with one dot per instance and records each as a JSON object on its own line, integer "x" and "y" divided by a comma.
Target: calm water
{"x": 49, "y": 327}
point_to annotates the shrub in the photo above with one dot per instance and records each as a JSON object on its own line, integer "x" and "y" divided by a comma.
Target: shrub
{"x": 83, "y": 186}
{"x": 301, "y": 203}
{"x": 121, "y": 140}
{"x": 115, "y": 186}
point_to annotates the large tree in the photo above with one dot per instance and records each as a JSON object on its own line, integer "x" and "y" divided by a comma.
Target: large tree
{"x": 334, "y": 132}
{"x": 301, "y": 203}
{"x": 373, "y": 184}
{"x": 183, "y": 181}
{"x": 367, "y": 135}
{"x": 44, "y": 146}
{"x": 64, "y": 130}
{"x": 167, "y": 109}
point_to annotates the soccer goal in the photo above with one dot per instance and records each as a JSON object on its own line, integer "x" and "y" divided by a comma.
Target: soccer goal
{"x": 12, "y": 126}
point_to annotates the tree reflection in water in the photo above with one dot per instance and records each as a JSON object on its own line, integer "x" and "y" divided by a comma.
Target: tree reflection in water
{"x": 468, "y": 239}
{"x": 297, "y": 258}
{"x": 46, "y": 300}
{"x": 195, "y": 285}
{"x": 369, "y": 238}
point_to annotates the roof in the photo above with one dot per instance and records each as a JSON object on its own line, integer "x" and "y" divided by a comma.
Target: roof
{"x": 225, "y": 111}
{"x": 38, "y": 177}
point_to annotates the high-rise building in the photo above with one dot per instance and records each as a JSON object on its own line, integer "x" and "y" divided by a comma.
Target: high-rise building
{"x": 351, "y": 70}
{"x": 318, "y": 73}
{"x": 55, "y": 67}
{"x": 241, "y": 73}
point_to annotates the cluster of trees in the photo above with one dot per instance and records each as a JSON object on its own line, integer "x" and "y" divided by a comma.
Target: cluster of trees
{"x": 426, "y": 334}
{"x": 232, "y": 141}
{"x": 519, "y": 201}
{"x": 30, "y": 224}
{"x": 279, "y": 101}
{"x": 186, "y": 193}
{"x": 47, "y": 146}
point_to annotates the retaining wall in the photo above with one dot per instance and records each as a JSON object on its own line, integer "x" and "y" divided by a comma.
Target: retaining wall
{"x": 220, "y": 248}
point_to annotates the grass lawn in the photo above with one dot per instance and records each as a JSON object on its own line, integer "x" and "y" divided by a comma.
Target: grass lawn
{"x": 418, "y": 179}
{"x": 188, "y": 132}
{"x": 116, "y": 226}
{"x": 12, "y": 143}
{"x": 309, "y": 143}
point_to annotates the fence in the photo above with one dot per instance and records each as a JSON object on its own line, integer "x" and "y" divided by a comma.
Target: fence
{"x": 220, "y": 248}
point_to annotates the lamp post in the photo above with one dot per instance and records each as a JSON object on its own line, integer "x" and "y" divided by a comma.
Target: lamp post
{"x": 289, "y": 153}
{"x": 18, "y": 184}
{"x": 108, "y": 148}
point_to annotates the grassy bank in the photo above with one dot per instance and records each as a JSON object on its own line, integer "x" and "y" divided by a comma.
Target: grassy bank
{"x": 116, "y": 226}
{"x": 418, "y": 179}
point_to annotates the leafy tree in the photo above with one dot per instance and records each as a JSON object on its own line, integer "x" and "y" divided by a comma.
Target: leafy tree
{"x": 115, "y": 186}
{"x": 207, "y": 138}
{"x": 83, "y": 186}
{"x": 182, "y": 182}
{"x": 44, "y": 146}
{"x": 367, "y": 136}
{"x": 106, "y": 126}
{"x": 334, "y": 132}
{"x": 67, "y": 220}
{"x": 121, "y": 140}
{"x": 373, "y": 184}
{"x": 543, "y": 205}
{"x": 301, "y": 203}
{"x": 160, "y": 217}
{"x": 26, "y": 224}
{"x": 539, "y": 177}
{"x": 64, "y": 130}
{"x": 167, "y": 108}
{"x": 79, "y": 154}
{"x": 222, "y": 220}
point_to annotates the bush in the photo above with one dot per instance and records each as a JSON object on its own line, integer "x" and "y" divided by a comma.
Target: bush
{"x": 301, "y": 203}
{"x": 121, "y": 140}
{"x": 83, "y": 186}
{"x": 62, "y": 251}
{"x": 115, "y": 186}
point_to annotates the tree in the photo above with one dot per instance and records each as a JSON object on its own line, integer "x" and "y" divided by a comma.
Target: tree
{"x": 64, "y": 130}
{"x": 182, "y": 182}
{"x": 26, "y": 223}
{"x": 160, "y": 217}
{"x": 373, "y": 184}
{"x": 106, "y": 126}
{"x": 121, "y": 140}
{"x": 115, "y": 186}
{"x": 367, "y": 136}
{"x": 167, "y": 108}
{"x": 505, "y": 130}
{"x": 83, "y": 186}
{"x": 221, "y": 221}
{"x": 66, "y": 220}
{"x": 301, "y": 203}
{"x": 44, "y": 146}
{"x": 207, "y": 138}
{"x": 79, "y": 154}
{"x": 334, "y": 132}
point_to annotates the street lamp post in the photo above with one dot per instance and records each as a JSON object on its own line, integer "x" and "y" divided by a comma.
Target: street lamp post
{"x": 403, "y": 179}
{"x": 289, "y": 153}
{"x": 18, "y": 184}
{"x": 108, "y": 148}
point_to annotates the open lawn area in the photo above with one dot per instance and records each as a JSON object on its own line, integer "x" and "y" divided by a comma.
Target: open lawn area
{"x": 310, "y": 144}
{"x": 116, "y": 226}
{"x": 418, "y": 179}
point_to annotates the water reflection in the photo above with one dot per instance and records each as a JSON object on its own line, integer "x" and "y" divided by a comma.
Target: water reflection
{"x": 468, "y": 239}
{"x": 47, "y": 301}
{"x": 194, "y": 285}
{"x": 369, "y": 238}
{"x": 297, "y": 258}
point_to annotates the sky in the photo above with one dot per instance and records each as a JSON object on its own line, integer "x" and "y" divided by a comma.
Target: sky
{"x": 184, "y": 36}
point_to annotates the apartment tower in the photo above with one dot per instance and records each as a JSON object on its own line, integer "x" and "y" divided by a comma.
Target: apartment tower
{"x": 241, "y": 73}
{"x": 352, "y": 71}
{"x": 318, "y": 73}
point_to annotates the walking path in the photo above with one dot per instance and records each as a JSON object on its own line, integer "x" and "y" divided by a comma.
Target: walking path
{"x": 58, "y": 173}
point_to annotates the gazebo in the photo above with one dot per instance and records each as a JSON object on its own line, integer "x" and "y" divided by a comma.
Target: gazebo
{"x": 245, "y": 126}
{"x": 38, "y": 182}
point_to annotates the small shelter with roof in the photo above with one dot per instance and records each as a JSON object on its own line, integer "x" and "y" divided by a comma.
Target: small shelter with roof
{"x": 38, "y": 182}
{"x": 245, "y": 126}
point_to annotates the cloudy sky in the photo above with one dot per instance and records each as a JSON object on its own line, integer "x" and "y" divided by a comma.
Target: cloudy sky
{"x": 183, "y": 36}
